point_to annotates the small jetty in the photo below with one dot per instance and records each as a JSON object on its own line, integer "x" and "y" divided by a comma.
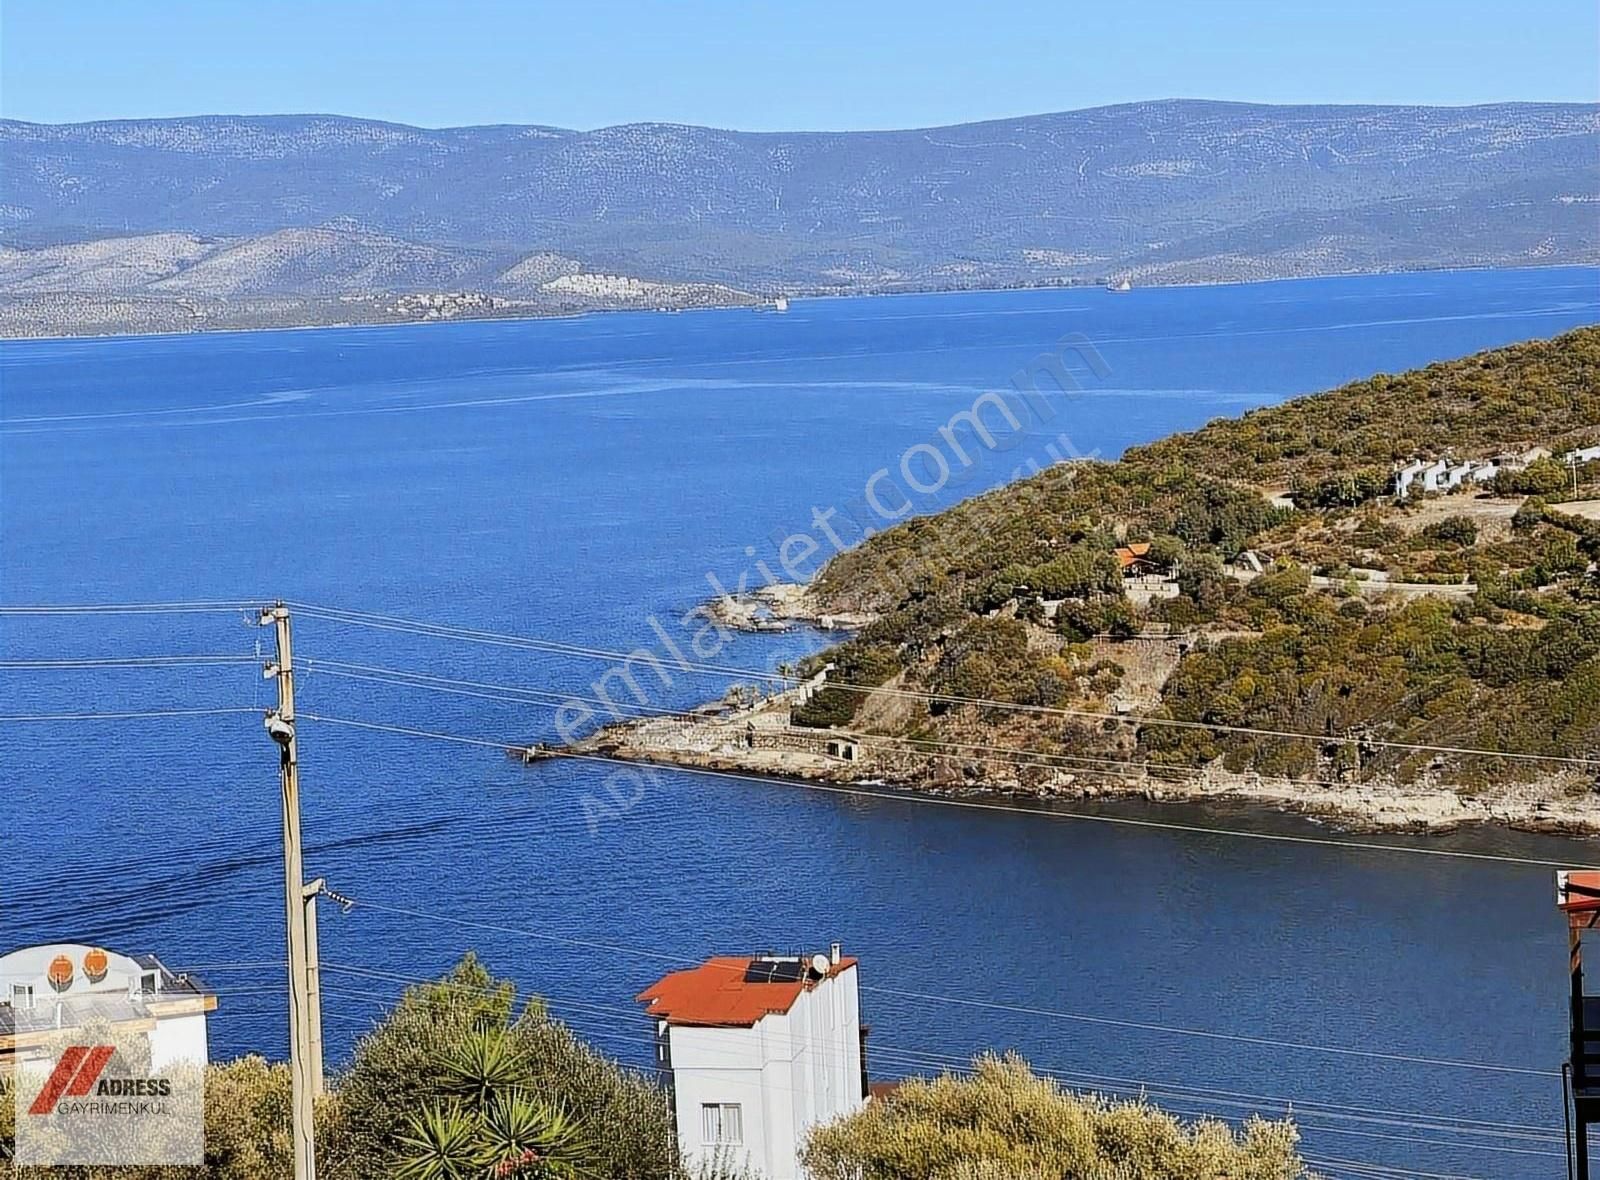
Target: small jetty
{"x": 528, "y": 755}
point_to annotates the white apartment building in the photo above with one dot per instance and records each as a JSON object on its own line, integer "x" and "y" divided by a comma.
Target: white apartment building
{"x": 45, "y": 990}
{"x": 756, "y": 1051}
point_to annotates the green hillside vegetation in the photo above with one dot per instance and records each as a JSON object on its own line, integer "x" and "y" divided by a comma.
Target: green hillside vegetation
{"x": 1543, "y": 390}
{"x": 1054, "y": 531}
{"x": 1016, "y": 597}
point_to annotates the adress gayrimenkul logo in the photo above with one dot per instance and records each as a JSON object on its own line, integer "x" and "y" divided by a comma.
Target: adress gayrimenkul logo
{"x": 77, "y": 1075}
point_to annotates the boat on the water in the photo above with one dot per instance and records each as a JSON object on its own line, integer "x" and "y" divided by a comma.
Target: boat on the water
{"x": 781, "y": 303}
{"x": 1119, "y": 285}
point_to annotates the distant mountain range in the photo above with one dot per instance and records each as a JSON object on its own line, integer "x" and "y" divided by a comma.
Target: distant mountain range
{"x": 317, "y": 207}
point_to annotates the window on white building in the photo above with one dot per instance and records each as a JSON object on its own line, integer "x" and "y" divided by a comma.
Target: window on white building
{"x": 723, "y": 1122}
{"x": 22, "y": 996}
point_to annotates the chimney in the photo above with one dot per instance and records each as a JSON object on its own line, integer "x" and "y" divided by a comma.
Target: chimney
{"x": 833, "y": 954}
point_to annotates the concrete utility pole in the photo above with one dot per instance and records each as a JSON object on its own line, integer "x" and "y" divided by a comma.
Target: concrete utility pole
{"x": 305, "y": 1024}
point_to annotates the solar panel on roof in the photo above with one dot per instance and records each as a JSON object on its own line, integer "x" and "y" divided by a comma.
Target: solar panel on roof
{"x": 774, "y": 971}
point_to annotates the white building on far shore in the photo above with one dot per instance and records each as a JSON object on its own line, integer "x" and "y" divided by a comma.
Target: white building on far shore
{"x": 757, "y": 1050}
{"x": 45, "y": 990}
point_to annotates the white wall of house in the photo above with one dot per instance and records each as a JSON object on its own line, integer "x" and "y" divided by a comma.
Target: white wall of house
{"x": 178, "y": 1038}
{"x": 1404, "y": 477}
{"x": 1431, "y": 474}
{"x": 786, "y": 1074}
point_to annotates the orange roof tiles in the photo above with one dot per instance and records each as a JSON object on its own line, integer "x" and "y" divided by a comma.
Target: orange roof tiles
{"x": 715, "y": 993}
{"x": 1128, "y": 554}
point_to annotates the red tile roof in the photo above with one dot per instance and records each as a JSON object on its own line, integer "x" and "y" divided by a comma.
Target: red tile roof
{"x": 1128, "y": 554}
{"x": 715, "y": 993}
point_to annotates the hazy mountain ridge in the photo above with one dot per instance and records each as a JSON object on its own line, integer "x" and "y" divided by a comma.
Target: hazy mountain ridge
{"x": 284, "y": 262}
{"x": 167, "y": 282}
{"x": 1165, "y": 191}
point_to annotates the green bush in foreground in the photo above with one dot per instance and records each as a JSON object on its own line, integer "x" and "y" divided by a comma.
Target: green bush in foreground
{"x": 1006, "y": 1123}
{"x": 464, "y": 1043}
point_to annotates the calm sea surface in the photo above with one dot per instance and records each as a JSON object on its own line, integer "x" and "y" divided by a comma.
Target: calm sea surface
{"x": 575, "y": 479}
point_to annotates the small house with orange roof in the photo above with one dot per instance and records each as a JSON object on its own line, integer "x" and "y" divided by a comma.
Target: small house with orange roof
{"x": 756, "y": 1050}
{"x": 1135, "y": 560}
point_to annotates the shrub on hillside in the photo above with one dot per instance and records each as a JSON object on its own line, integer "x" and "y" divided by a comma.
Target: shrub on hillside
{"x": 1079, "y": 572}
{"x": 1342, "y": 491}
{"x": 1081, "y": 621}
{"x": 990, "y": 659}
{"x": 1542, "y": 477}
{"x": 1006, "y": 1123}
{"x": 1204, "y": 581}
{"x": 862, "y": 661}
{"x": 1453, "y": 530}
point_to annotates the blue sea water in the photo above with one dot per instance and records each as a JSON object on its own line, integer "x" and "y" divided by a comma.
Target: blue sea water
{"x": 579, "y": 480}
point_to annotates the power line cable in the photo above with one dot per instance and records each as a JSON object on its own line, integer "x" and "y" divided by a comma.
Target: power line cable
{"x": 132, "y": 715}
{"x": 966, "y": 804}
{"x": 1144, "y": 1026}
{"x": 133, "y": 662}
{"x": 1011, "y": 756}
{"x": 1385, "y": 1170}
{"x": 19, "y": 610}
{"x": 541, "y": 698}
{"x": 447, "y": 631}
{"x": 957, "y": 752}
{"x": 1183, "y": 1092}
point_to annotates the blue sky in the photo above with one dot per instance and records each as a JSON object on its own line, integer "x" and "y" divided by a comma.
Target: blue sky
{"x": 808, "y": 64}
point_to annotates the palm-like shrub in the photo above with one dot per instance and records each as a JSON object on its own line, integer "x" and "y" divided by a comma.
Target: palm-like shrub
{"x": 483, "y": 1063}
{"x": 510, "y": 1134}
{"x": 521, "y": 1133}
{"x": 490, "y": 1124}
{"x": 442, "y": 1143}
{"x": 465, "y": 1046}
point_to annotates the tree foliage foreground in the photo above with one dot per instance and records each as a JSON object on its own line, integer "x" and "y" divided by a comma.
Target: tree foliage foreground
{"x": 1004, "y": 1122}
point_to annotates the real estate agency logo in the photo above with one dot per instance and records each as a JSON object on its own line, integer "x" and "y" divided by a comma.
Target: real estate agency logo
{"x": 78, "y": 1076}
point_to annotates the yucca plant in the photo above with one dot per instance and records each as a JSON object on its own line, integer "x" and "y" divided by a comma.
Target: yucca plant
{"x": 443, "y": 1142}
{"x": 528, "y": 1137}
{"x": 490, "y": 1126}
{"x": 513, "y": 1135}
{"x": 483, "y": 1063}
{"x": 402, "y": 1068}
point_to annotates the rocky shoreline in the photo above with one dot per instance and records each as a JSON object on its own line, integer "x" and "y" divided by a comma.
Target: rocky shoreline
{"x": 757, "y": 739}
{"x": 780, "y": 606}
